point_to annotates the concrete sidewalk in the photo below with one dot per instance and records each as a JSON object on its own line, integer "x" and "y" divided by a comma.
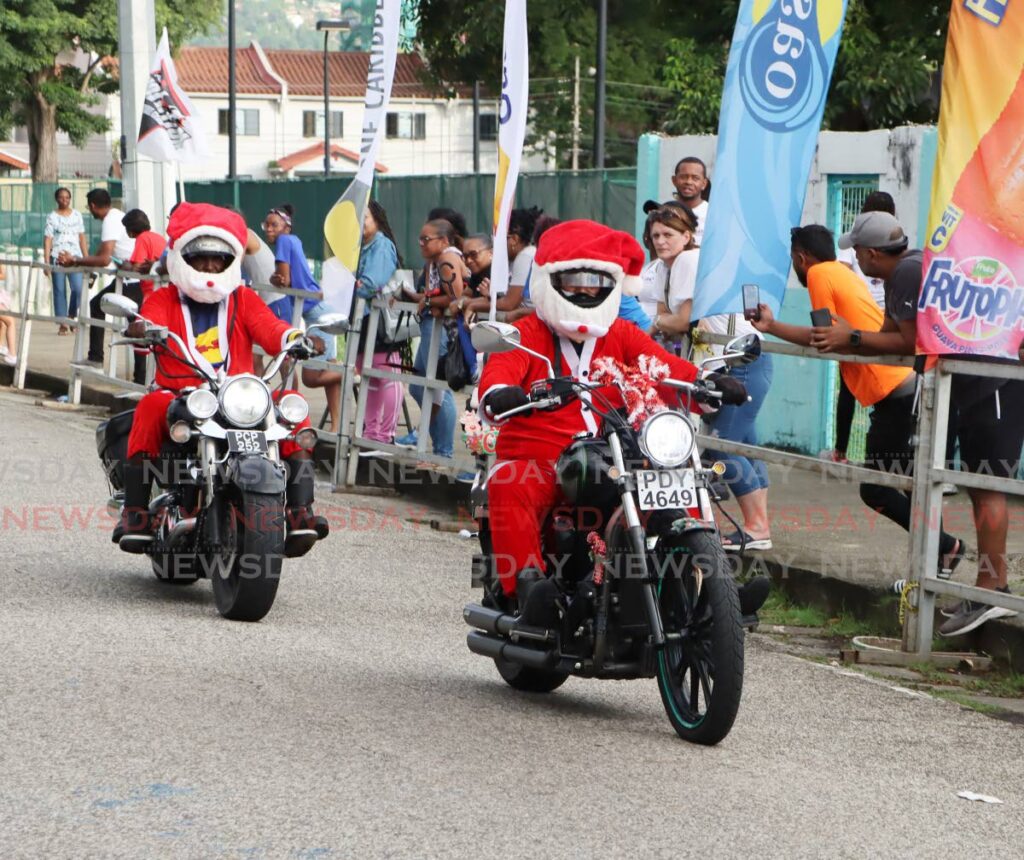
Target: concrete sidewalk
{"x": 829, "y": 547}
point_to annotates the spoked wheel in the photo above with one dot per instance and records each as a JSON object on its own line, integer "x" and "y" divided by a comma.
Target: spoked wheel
{"x": 245, "y": 581}
{"x": 700, "y": 674}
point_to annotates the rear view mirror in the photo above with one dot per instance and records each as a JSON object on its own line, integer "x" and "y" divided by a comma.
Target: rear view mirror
{"x": 489, "y": 337}
{"x": 332, "y": 324}
{"x": 118, "y": 306}
{"x": 742, "y": 350}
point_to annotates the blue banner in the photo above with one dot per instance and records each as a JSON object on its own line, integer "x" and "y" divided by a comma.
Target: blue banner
{"x": 778, "y": 75}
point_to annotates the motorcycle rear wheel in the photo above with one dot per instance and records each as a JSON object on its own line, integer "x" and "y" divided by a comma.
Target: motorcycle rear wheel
{"x": 529, "y": 680}
{"x": 246, "y": 585}
{"x": 700, "y": 677}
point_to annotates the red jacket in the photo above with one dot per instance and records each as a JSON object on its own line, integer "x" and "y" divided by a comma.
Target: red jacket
{"x": 244, "y": 317}
{"x": 544, "y": 435}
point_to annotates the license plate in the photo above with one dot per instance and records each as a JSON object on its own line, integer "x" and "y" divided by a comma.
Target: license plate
{"x": 666, "y": 489}
{"x": 247, "y": 442}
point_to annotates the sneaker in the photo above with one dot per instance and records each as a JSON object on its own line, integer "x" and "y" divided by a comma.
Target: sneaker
{"x": 970, "y": 615}
{"x": 950, "y": 489}
{"x": 833, "y": 456}
{"x": 10, "y": 360}
{"x": 950, "y": 611}
{"x": 466, "y": 477}
{"x": 3, "y": 350}
{"x": 410, "y": 440}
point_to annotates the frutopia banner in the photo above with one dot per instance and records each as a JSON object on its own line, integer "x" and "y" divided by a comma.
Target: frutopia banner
{"x": 515, "y": 95}
{"x": 343, "y": 226}
{"x": 780, "y": 65}
{"x": 972, "y": 296}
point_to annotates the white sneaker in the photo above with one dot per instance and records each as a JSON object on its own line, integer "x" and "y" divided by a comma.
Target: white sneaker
{"x": 10, "y": 360}
{"x": 950, "y": 489}
{"x": 3, "y": 350}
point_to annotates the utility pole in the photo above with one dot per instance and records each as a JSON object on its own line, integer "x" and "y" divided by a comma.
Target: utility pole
{"x": 576, "y": 115}
{"x": 327, "y": 112}
{"x": 602, "y": 42}
{"x": 232, "y": 100}
{"x": 145, "y": 182}
{"x": 476, "y": 126}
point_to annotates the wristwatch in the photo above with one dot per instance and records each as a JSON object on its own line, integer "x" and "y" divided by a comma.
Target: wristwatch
{"x": 855, "y": 337}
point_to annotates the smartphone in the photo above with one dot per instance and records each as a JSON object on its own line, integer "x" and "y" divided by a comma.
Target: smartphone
{"x": 821, "y": 318}
{"x": 751, "y": 300}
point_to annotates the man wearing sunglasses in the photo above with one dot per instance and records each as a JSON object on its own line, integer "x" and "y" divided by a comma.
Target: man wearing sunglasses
{"x": 580, "y": 273}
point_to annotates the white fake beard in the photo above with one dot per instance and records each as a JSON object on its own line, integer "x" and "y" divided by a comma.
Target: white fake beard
{"x": 204, "y": 287}
{"x": 570, "y": 320}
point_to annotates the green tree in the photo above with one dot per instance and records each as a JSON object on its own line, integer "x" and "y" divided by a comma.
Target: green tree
{"x": 43, "y": 89}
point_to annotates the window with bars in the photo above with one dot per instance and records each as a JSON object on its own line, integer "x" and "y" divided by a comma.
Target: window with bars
{"x": 313, "y": 124}
{"x": 846, "y": 195}
{"x": 406, "y": 126}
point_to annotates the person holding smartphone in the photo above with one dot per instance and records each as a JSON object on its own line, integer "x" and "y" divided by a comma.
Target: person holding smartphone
{"x": 841, "y": 298}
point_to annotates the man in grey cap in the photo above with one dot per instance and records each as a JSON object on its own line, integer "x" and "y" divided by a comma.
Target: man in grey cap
{"x": 882, "y": 252}
{"x": 986, "y": 414}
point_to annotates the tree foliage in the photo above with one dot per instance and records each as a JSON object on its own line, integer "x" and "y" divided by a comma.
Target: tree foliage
{"x": 666, "y": 64}
{"x": 52, "y": 71}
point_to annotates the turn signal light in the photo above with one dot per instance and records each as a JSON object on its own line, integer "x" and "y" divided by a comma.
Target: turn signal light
{"x": 180, "y": 432}
{"x": 306, "y": 439}
{"x": 718, "y": 468}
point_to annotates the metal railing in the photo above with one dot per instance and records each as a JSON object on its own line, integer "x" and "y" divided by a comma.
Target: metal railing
{"x": 930, "y": 472}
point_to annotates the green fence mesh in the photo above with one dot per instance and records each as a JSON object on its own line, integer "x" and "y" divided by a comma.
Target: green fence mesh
{"x": 25, "y": 205}
{"x": 608, "y": 196}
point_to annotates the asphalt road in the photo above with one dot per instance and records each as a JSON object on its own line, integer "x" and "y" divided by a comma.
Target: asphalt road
{"x": 135, "y": 722}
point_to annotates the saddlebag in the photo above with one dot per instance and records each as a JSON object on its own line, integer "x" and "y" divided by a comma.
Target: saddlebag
{"x": 112, "y": 445}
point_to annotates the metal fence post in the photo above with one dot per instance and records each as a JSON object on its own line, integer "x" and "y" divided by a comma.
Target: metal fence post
{"x": 27, "y": 289}
{"x": 926, "y": 509}
{"x": 430, "y": 373}
{"x": 371, "y": 321}
{"x": 343, "y": 441}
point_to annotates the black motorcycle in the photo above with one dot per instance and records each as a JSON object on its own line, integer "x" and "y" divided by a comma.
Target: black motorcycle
{"x": 222, "y": 510}
{"x": 642, "y": 585}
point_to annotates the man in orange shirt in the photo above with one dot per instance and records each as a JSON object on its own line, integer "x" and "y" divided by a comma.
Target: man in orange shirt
{"x": 889, "y": 390}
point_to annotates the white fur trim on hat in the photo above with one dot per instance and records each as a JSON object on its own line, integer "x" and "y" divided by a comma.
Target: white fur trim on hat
{"x": 632, "y": 285}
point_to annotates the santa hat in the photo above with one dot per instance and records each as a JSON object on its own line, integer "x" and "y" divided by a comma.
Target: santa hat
{"x": 191, "y": 220}
{"x": 588, "y": 245}
{"x": 194, "y": 220}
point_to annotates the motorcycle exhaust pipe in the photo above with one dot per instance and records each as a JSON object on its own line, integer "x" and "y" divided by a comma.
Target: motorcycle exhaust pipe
{"x": 503, "y": 624}
{"x": 488, "y": 646}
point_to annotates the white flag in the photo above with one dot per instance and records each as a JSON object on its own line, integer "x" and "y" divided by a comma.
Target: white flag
{"x": 515, "y": 95}
{"x": 343, "y": 226}
{"x": 170, "y": 129}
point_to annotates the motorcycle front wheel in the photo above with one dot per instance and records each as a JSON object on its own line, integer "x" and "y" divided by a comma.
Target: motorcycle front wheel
{"x": 245, "y": 586}
{"x": 700, "y": 674}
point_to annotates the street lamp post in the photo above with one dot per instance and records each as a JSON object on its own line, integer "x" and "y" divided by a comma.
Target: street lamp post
{"x": 328, "y": 27}
{"x": 602, "y": 40}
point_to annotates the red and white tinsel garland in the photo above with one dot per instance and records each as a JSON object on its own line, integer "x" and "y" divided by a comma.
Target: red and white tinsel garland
{"x": 639, "y": 384}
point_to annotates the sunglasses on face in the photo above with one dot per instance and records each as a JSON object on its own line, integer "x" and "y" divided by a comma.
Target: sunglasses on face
{"x": 472, "y": 255}
{"x": 426, "y": 240}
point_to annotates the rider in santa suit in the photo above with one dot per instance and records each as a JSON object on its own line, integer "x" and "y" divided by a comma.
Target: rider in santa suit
{"x": 579, "y": 274}
{"x": 219, "y": 320}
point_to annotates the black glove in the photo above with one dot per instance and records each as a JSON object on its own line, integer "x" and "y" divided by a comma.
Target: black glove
{"x": 503, "y": 399}
{"x": 732, "y": 390}
{"x": 302, "y": 348}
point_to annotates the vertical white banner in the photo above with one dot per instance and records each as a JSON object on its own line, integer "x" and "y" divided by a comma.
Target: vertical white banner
{"x": 515, "y": 96}
{"x": 343, "y": 226}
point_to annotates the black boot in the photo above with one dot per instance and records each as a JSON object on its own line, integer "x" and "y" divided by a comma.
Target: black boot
{"x": 304, "y": 527}
{"x": 134, "y": 533}
{"x": 753, "y": 594}
{"x": 538, "y": 598}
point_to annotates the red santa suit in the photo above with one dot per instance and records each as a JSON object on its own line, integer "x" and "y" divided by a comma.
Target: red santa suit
{"x": 241, "y": 319}
{"x": 522, "y": 487}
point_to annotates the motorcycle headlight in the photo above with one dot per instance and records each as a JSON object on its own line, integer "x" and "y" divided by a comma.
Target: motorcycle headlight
{"x": 293, "y": 408}
{"x": 667, "y": 439}
{"x": 245, "y": 400}
{"x": 201, "y": 404}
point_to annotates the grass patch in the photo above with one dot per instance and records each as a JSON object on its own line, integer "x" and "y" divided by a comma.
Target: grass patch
{"x": 967, "y": 702}
{"x": 1003, "y": 685}
{"x": 779, "y": 609}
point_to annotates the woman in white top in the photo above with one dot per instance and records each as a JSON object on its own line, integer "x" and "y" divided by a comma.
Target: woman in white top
{"x": 65, "y": 231}
{"x": 671, "y": 231}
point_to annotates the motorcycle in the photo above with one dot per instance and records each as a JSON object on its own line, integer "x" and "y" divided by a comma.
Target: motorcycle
{"x": 644, "y": 589}
{"x": 221, "y": 512}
